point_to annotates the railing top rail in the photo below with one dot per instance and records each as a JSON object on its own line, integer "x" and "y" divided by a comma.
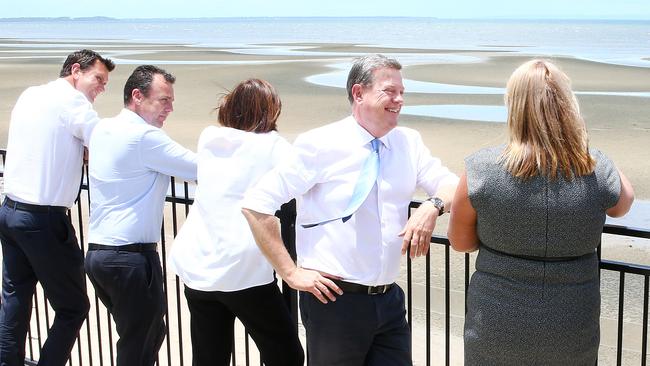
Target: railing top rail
{"x": 623, "y": 230}
{"x": 626, "y": 267}
{"x": 626, "y": 231}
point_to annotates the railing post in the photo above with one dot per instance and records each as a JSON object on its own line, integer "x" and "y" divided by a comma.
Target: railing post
{"x": 644, "y": 326}
{"x": 287, "y": 216}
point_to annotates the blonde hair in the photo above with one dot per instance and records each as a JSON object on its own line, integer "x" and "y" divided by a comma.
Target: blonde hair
{"x": 547, "y": 135}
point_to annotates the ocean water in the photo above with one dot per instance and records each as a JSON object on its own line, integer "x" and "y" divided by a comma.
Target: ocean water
{"x": 621, "y": 42}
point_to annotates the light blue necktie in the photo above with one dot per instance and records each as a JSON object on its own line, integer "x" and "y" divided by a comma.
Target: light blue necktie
{"x": 367, "y": 179}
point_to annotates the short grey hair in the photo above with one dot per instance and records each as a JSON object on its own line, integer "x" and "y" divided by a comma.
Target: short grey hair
{"x": 363, "y": 67}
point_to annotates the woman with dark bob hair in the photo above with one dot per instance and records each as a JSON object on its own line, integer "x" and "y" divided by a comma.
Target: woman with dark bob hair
{"x": 224, "y": 272}
{"x": 535, "y": 210}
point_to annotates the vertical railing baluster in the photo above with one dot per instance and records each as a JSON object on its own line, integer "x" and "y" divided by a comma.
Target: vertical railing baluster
{"x": 427, "y": 294}
{"x": 165, "y": 289}
{"x": 30, "y": 342}
{"x": 177, "y": 281}
{"x": 99, "y": 332}
{"x": 246, "y": 347}
{"x": 38, "y": 323}
{"x": 409, "y": 294}
{"x": 621, "y": 299}
{"x": 110, "y": 338}
{"x": 409, "y": 289}
{"x": 46, "y": 312}
{"x": 234, "y": 349}
{"x": 287, "y": 216}
{"x": 467, "y": 262}
{"x": 82, "y": 246}
{"x": 644, "y": 326}
{"x": 447, "y": 307}
{"x": 79, "y": 351}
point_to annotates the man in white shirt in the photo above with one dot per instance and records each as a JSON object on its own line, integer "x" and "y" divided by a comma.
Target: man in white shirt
{"x": 130, "y": 164}
{"x": 354, "y": 250}
{"x": 50, "y": 124}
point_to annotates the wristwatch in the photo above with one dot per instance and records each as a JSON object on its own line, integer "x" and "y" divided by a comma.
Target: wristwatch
{"x": 439, "y": 204}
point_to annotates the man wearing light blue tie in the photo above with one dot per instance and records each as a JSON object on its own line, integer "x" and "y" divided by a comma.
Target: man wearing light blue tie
{"x": 354, "y": 179}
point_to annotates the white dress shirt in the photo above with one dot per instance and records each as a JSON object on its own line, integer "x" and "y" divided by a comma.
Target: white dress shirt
{"x": 130, "y": 164}
{"x": 215, "y": 249}
{"x": 50, "y": 124}
{"x": 366, "y": 249}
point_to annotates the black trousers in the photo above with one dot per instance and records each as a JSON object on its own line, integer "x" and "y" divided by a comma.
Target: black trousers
{"x": 357, "y": 329}
{"x": 261, "y": 310}
{"x": 40, "y": 247}
{"x": 130, "y": 284}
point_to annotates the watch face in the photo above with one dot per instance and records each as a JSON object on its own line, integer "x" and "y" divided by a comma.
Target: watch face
{"x": 439, "y": 204}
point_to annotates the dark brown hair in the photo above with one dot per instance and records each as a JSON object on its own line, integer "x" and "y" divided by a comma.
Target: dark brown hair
{"x": 141, "y": 78}
{"x": 86, "y": 59}
{"x": 253, "y": 106}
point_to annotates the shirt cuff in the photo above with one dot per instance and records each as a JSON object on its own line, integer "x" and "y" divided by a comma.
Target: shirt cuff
{"x": 260, "y": 205}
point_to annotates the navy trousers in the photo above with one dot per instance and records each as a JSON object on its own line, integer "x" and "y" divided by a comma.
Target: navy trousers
{"x": 130, "y": 284}
{"x": 263, "y": 312}
{"x": 357, "y": 329}
{"x": 40, "y": 247}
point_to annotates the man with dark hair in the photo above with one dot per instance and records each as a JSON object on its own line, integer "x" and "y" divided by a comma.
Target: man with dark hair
{"x": 85, "y": 59}
{"x": 131, "y": 161}
{"x": 50, "y": 124}
{"x": 355, "y": 179}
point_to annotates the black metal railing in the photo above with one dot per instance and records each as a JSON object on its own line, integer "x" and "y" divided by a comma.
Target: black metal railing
{"x": 435, "y": 296}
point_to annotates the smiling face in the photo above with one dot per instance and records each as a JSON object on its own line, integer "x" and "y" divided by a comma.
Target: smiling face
{"x": 376, "y": 107}
{"x": 92, "y": 81}
{"x": 155, "y": 107}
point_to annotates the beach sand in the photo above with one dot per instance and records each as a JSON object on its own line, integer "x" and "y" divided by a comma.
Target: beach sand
{"x": 618, "y": 125}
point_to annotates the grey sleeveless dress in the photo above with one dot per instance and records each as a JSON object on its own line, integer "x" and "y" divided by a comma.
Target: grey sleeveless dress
{"x": 533, "y": 312}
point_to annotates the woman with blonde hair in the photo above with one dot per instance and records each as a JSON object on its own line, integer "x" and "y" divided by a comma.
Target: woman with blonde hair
{"x": 535, "y": 210}
{"x": 215, "y": 255}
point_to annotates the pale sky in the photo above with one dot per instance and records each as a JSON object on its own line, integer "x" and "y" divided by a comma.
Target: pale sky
{"x": 454, "y": 9}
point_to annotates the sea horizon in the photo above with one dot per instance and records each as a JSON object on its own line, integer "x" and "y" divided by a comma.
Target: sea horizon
{"x": 208, "y": 18}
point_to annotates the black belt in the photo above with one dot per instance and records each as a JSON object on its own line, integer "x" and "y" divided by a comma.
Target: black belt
{"x": 363, "y": 289}
{"x": 136, "y": 247}
{"x": 534, "y": 257}
{"x": 33, "y": 208}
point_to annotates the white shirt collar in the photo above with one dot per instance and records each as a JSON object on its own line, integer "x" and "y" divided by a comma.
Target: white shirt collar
{"x": 363, "y": 137}
{"x": 131, "y": 116}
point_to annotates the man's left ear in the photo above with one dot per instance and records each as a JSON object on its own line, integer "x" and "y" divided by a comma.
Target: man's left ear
{"x": 75, "y": 70}
{"x": 136, "y": 95}
{"x": 357, "y": 92}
